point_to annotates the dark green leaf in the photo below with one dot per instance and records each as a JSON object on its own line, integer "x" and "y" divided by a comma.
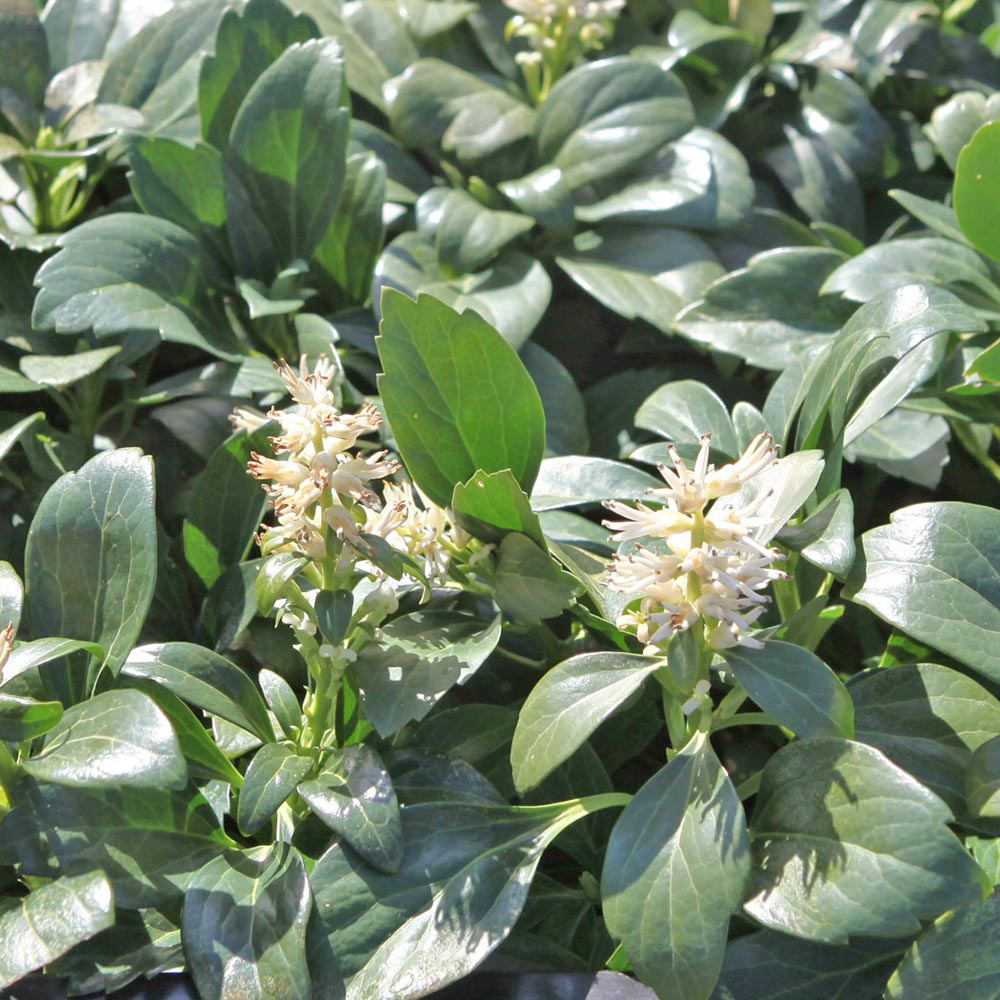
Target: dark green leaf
{"x": 334, "y": 610}
{"x": 25, "y": 718}
{"x": 462, "y": 883}
{"x": 927, "y": 719}
{"x": 457, "y": 397}
{"x": 606, "y": 116}
{"x": 11, "y": 596}
{"x": 286, "y": 151}
{"x": 934, "y": 572}
{"x": 204, "y": 679}
{"x": 353, "y": 794}
{"x": 224, "y": 509}
{"x": 954, "y": 959}
{"x": 282, "y": 702}
{"x": 59, "y": 371}
{"x": 125, "y": 272}
{"x": 641, "y": 272}
{"x": 567, "y": 705}
{"x": 148, "y": 841}
{"x": 982, "y": 780}
{"x": 772, "y": 966}
{"x": 247, "y": 43}
{"x": 51, "y": 920}
{"x": 572, "y": 480}
{"x": 796, "y": 687}
{"x": 683, "y": 412}
{"x": 418, "y": 658}
{"x": 845, "y": 842}
{"x": 91, "y": 554}
{"x": 565, "y": 414}
{"x": 116, "y": 738}
{"x": 678, "y": 859}
{"x": 529, "y": 585}
{"x": 825, "y": 537}
{"x": 24, "y": 65}
{"x": 244, "y": 925}
{"x": 35, "y": 654}
{"x": 271, "y": 777}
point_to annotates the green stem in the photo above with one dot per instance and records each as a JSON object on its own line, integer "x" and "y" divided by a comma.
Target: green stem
{"x": 746, "y": 719}
{"x": 749, "y": 787}
{"x": 8, "y": 777}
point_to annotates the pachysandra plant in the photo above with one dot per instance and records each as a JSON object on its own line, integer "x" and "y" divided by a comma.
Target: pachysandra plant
{"x": 604, "y": 577}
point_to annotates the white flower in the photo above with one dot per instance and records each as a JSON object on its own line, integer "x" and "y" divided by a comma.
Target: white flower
{"x": 707, "y": 565}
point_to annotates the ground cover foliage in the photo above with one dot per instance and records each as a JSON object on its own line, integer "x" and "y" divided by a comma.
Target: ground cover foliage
{"x": 537, "y": 258}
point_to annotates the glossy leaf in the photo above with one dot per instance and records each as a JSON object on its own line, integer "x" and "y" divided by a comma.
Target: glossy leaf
{"x": 492, "y": 504}
{"x": 982, "y": 780}
{"x": 954, "y": 958}
{"x": 25, "y": 718}
{"x": 353, "y": 794}
{"x": 684, "y": 411}
{"x": 463, "y": 880}
{"x": 418, "y": 658}
{"x": 29, "y": 655}
{"x": 826, "y": 537}
{"x": 91, "y": 554}
{"x": 678, "y": 859}
{"x": 572, "y": 480}
{"x": 244, "y": 925}
{"x": 457, "y": 397}
{"x": 796, "y": 687}
{"x": 529, "y": 585}
{"x": 845, "y": 842}
{"x": 113, "y": 739}
{"x": 281, "y": 701}
{"x": 51, "y": 920}
{"x": 567, "y": 705}
{"x": 271, "y": 777}
{"x": 11, "y": 596}
{"x": 977, "y": 190}
{"x": 933, "y": 572}
{"x": 205, "y": 680}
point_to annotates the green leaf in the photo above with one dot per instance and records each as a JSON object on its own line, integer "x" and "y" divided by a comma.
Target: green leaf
{"x": 977, "y": 190}
{"x": 511, "y": 294}
{"x": 244, "y": 925}
{"x": 354, "y": 796}
{"x": 567, "y": 705}
{"x": 203, "y": 755}
{"x": 113, "y": 739}
{"x": 51, "y": 920}
{"x": 281, "y": 700}
{"x": 417, "y": 660}
{"x": 466, "y": 234}
{"x": 271, "y": 777}
{"x": 982, "y": 780}
{"x": 24, "y": 66}
{"x": 606, "y": 116}
{"x": 286, "y": 155}
{"x": 928, "y": 719}
{"x": 29, "y": 655}
{"x": 350, "y": 247}
{"x": 203, "y": 679}
{"x": 83, "y": 30}
{"x": 275, "y": 572}
{"x": 641, "y": 272}
{"x": 572, "y": 480}
{"x": 767, "y": 965}
{"x": 463, "y": 880}
{"x": 491, "y": 505}
{"x": 60, "y": 371}
{"x": 934, "y": 573}
{"x": 224, "y": 509}
{"x": 683, "y": 412}
{"x": 247, "y": 43}
{"x": 148, "y": 841}
{"x": 529, "y": 585}
{"x": 796, "y": 687}
{"x": 156, "y": 70}
{"x": 699, "y": 181}
{"x": 954, "y": 123}
{"x": 826, "y": 537}
{"x": 11, "y": 596}
{"x": 770, "y": 311}
{"x": 125, "y": 272}
{"x": 90, "y": 558}
{"x": 25, "y": 718}
{"x": 845, "y": 842}
{"x": 566, "y": 430}
{"x": 457, "y": 397}
{"x": 954, "y": 959}
{"x": 678, "y": 860}
{"x": 182, "y": 184}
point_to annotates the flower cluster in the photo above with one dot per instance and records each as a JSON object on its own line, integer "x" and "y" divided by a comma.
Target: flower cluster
{"x": 320, "y": 485}
{"x": 706, "y": 564}
{"x": 558, "y": 31}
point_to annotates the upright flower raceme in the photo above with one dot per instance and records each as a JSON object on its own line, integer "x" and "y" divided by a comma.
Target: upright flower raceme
{"x": 703, "y": 562}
